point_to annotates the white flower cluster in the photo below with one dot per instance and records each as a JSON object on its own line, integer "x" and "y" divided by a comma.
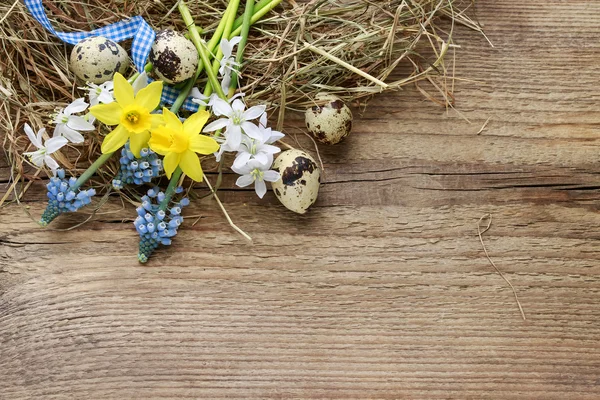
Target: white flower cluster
{"x": 68, "y": 125}
{"x": 252, "y": 141}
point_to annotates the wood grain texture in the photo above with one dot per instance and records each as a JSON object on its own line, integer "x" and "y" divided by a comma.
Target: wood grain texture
{"x": 382, "y": 290}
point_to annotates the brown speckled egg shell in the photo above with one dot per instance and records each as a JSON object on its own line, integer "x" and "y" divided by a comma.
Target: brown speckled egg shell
{"x": 330, "y": 120}
{"x": 97, "y": 59}
{"x": 298, "y": 187}
{"x": 173, "y": 57}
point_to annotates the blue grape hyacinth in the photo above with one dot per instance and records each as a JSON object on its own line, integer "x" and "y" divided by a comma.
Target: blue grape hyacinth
{"x": 155, "y": 225}
{"x": 64, "y": 197}
{"x": 137, "y": 170}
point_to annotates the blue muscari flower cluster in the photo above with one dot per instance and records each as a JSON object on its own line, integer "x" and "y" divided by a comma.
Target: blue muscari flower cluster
{"x": 137, "y": 170}
{"x": 155, "y": 225}
{"x": 62, "y": 197}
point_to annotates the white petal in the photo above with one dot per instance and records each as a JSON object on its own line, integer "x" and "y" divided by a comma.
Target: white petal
{"x": 55, "y": 143}
{"x": 216, "y": 125}
{"x": 263, "y": 120}
{"x": 211, "y": 100}
{"x": 254, "y": 112}
{"x": 35, "y": 140}
{"x": 40, "y": 134}
{"x": 140, "y": 82}
{"x": 271, "y": 176}
{"x": 251, "y": 130}
{"x": 53, "y": 165}
{"x": 262, "y": 158}
{"x": 58, "y": 130}
{"x": 255, "y": 164}
{"x": 237, "y": 95}
{"x": 195, "y": 93}
{"x": 238, "y": 105}
{"x": 226, "y": 81}
{"x": 79, "y": 124}
{"x": 242, "y": 159}
{"x": 109, "y": 85}
{"x": 234, "y": 137}
{"x": 274, "y": 136}
{"x": 219, "y": 153}
{"x": 200, "y": 102}
{"x": 235, "y": 40}
{"x": 221, "y": 107}
{"x": 77, "y": 106}
{"x": 105, "y": 97}
{"x": 72, "y": 135}
{"x": 226, "y": 48}
{"x": 37, "y": 157}
{"x": 267, "y": 148}
{"x": 261, "y": 188}
{"x": 244, "y": 180}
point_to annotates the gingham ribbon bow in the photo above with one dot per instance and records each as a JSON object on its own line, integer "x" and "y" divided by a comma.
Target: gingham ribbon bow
{"x": 135, "y": 27}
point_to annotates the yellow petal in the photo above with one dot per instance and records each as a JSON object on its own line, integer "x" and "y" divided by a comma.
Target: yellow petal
{"x": 110, "y": 113}
{"x": 123, "y": 90}
{"x": 190, "y": 165}
{"x": 138, "y": 141}
{"x": 149, "y": 97}
{"x": 171, "y": 120}
{"x": 203, "y": 144}
{"x": 160, "y": 140}
{"x": 115, "y": 140}
{"x": 195, "y": 122}
{"x": 157, "y": 119}
{"x": 170, "y": 162}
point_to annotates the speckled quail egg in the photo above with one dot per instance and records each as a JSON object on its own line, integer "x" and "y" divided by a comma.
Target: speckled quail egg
{"x": 330, "y": 120}
{"x": 96, "y": 59}
{"x": 298, "y": 187}
{"x": 173, "y": 57}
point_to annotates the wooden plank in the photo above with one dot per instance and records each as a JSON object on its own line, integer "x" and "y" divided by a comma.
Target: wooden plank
{"x": 382, "y": 290}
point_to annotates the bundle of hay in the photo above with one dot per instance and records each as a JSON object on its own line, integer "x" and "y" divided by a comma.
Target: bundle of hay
{"x": 346, "y": 47}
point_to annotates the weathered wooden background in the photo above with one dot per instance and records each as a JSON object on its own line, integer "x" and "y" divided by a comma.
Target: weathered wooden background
{"x": 383, "y": 289}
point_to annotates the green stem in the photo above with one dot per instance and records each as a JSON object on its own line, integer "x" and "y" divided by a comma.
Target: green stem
{"x": 242, "y": 45}
{"x": 91, "y": 170}
{"x": 200, "y": 45}
{"x": 170, "y": 189}
{"x": 185, "y": 91}
{"x": 256, "y": 16}
{"x": 257, "y": 8}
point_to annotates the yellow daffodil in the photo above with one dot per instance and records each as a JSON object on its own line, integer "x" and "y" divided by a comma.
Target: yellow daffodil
{"x": 131, "y": 113}
{"x": 179, "y": 143}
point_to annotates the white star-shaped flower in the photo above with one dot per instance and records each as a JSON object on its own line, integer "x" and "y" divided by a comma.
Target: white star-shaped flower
{"x": 228, "y": 63}
{"x": 102, "y": 93}
{"x": 42, "y": 155}
{"x": 237, "y": 121}
{"x": 69, "y": 125}
{"x": 257, "y": 173}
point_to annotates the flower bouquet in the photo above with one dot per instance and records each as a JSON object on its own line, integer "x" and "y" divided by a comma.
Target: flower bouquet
{"x": 201, "y": 90}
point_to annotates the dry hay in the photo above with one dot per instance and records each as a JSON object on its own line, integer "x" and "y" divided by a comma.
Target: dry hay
{"x": 372, "y": 36}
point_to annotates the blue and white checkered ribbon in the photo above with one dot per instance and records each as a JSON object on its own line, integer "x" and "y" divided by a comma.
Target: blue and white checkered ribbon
{"x": 136, "y": 28}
